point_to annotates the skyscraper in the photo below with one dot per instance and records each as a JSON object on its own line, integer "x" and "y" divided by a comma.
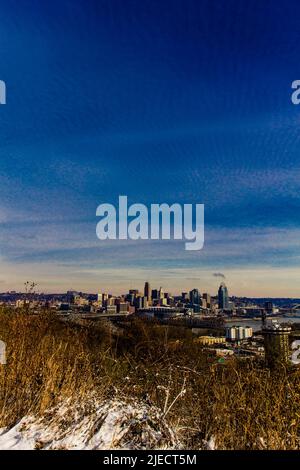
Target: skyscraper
{"x": 207, "y": 297}
{"x": 223, "y": 297}
{"x": 147, "y": 291}
{"x": 161, "y": 293}
{"x": 154, "y": 295}
{"x": 195, "y": 297}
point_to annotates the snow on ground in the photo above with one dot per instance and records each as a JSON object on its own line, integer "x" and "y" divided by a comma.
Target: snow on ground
{"x": 113, "y": 424}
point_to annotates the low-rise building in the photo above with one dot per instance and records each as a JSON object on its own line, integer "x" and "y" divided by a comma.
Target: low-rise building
{"x": 205, "y": 340}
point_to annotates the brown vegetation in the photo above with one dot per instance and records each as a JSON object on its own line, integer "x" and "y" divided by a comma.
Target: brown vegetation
{"x": 240, "y": 403}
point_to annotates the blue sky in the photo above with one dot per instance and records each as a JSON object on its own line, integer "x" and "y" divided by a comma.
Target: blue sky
{"x": 173, "y": 101}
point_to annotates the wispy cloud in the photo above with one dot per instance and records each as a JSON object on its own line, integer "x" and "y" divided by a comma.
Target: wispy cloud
{"x": 63, "y": 256}
{"x": 221, "y": 275}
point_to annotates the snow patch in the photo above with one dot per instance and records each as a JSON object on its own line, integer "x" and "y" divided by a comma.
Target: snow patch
{"x": 112, "y": 424}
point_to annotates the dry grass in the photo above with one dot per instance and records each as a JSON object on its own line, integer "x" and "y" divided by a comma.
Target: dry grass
{"x": 48, "y": 360}
{"x": 242, "y": 404}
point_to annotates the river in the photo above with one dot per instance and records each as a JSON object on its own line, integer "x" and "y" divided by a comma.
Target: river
{"x": 255, "y": 324}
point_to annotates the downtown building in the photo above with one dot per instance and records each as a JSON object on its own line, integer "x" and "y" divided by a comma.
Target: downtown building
{"x": 223, "y": 297}
{"x": 238, "y": 333}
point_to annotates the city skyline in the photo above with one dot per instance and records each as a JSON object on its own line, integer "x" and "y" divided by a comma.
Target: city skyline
{"x": 140, "y": 290}
{"x": 143, "y": 100}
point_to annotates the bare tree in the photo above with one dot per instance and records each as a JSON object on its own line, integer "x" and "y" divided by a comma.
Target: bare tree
{"x": 29, "y": 294}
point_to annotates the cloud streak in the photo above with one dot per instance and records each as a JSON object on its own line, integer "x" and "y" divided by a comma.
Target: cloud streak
{"x": 221, "y": 275}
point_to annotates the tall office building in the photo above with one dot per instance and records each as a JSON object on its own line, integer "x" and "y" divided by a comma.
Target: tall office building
{"x": 195, "y": 297}
{"x": 223, "y": 296}
{"x": 161, "y": 293}
{"x": 141, "y": 302}
{"x": 154, "y": 294}
{"x": 147, "y": 291}
{"x": 184, "y": 297}
{"x": 276, "y": 342}
{"x": 207, "y": 297}
{"x": 138, "y": 302}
